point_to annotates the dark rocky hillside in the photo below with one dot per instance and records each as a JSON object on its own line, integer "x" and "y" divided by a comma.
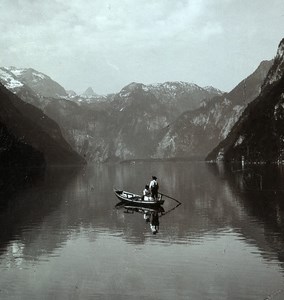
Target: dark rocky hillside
{"x": 29, "y": 126}
{"x": 20, "y": 164}
{"x": 258, "y": 135}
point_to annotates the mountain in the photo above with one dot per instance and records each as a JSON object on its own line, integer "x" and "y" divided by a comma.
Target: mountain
{"x": 84, "y": 126}
{"x": 119, "y": 126}
{"x": 30, "y": 128}
{"x": 40, "y": 83}
{"x": 140, "y": 112}
{"x": 76, "y": 118}
{"x": 71, "y": 94}
{"x": 177, "y": 96}
{"x": 258, "y": 134}
{"x": 20, "y": 163}
{"x": 197, "y": 132}
{"x": 89, "y": 93}
{"x": 17, "y": 87}
{"x": 213, "y": 90}
{"x": 182, "y": 96}
{"x": 8, "y": 79}
{"x": 137, "y": 116}
{"x": 125, "y": 125}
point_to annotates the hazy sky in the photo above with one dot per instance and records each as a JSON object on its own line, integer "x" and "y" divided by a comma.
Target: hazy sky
{"x": 108, "y": 44}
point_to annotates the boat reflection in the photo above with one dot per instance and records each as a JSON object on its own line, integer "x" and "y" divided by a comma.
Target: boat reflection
{"x": 150, "y": 215}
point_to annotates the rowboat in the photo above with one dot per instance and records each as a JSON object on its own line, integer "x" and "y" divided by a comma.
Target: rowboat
{"x": 138, "y": 200}
{"x": 139, "y": 208}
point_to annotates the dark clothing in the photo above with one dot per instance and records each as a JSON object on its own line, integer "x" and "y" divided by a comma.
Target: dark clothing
{"x": 155, "y": 219}
{"x": 154, "y": 186}
{"x": 154, "y": 222}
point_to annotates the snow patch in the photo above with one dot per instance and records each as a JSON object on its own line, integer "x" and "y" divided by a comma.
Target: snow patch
{"x": 145, "y": 88}
{"x": 16, "y": 72}
{"x": 9, "y": 81}
{"x": 124, "y": 93}
{"x": 41, "y": 76}
{"x": 211, "y": 89}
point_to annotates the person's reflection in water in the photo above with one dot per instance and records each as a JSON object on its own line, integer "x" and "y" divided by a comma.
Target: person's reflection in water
{"x": 154, "y": 222}
{"x": 150, "y": 216}
{"x": 147, "y": 215}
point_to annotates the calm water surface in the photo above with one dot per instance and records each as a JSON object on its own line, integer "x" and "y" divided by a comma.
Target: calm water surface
{"x": 63, "y": 238}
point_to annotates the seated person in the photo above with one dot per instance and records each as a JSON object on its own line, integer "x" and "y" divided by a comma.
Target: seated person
{"x": 146, "y": 193}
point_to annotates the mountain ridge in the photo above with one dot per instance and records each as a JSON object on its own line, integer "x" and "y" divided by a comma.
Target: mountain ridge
{"x": 39, "y": 82}
{"x": 257, "y": 136}
{"x": 177, "y": 119}
{"x": 199, "y": 131}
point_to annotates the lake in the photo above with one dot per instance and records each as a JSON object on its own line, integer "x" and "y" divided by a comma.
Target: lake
{"x": 64, "y": 238}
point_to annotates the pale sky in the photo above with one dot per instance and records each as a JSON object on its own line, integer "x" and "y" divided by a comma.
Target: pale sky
{"x": 107, "y": 44}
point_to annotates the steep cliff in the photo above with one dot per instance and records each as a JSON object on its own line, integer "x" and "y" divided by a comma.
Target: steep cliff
{"x": 258, "y": 135}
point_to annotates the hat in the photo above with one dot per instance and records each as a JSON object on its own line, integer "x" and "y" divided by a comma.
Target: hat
{"x": 154, "y": 177}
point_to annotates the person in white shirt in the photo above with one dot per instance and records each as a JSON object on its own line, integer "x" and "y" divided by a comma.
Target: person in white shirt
{"x": 146, "y": 193}
{"x": 154, "y": 187}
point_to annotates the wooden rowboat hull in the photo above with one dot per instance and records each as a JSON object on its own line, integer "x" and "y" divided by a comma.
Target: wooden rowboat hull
{"x": 134, "y": 199}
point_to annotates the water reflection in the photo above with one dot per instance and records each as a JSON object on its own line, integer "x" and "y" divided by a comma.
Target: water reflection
{"x": 259, "y": 190}
{"x": 66, "y": 203}
{"x": 228, "y": 234}
{"x": 14, "y": 179}
{"x": 34, "y": 211}
{"x": 151, "y": 216}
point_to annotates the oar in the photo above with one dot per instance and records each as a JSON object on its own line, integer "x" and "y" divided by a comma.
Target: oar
{"x": 170, "y": 198}
{"x": 163, "y": 214}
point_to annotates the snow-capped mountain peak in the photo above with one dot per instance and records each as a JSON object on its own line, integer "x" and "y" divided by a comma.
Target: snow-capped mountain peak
{"x": 39, "y": 82}
{"x": 9, "y": 80}
{"x": 16, "y": 71}
{"x": 133, "y": 86}
{"x": 27, "y": 72}
{"x": 211, "y": 89}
